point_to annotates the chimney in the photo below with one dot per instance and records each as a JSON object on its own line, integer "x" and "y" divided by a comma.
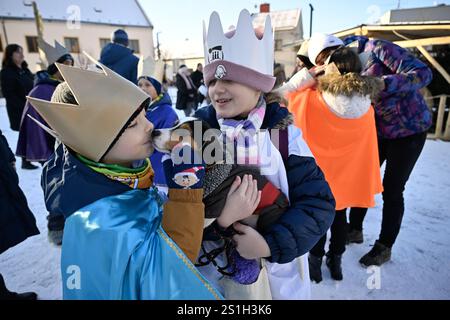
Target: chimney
{"x": 264, "y": 8}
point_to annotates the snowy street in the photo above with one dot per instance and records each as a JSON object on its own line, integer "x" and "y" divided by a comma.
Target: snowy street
{"x": 419, "y": 269}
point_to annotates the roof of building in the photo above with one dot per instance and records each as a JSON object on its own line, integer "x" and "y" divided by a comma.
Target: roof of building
{"x": 429, "y": 25}
{"x": 111, "y": 12}
{"x": 403, "y": 34}
{"x": 439, "y": 13}
{"x": 281, "y": 20}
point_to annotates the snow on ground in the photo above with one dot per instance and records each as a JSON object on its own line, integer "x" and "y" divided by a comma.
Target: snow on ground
{"x": 420, "y": 266}
{"x": 32, "y": 265}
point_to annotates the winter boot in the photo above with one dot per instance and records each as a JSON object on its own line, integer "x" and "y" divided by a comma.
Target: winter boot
{"x": 315, "y": 264}
{"x": 5, "y": 294}
{"x": 27, "y": 165}
{"x": 334, "y": 262}
{"x": 55, "y": 225}
{"x": 377, "y": 256}
{"x": 55, "y": 237}
{"x": 355, "y": 236}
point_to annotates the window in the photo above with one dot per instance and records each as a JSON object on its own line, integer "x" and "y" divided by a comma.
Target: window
{"x": 104, "y": 42}
{"x": 32, "y": 44}
{"x": 72, "y": 44}
{"x": 134, "y": 45}
{"x": 278, "y": 45}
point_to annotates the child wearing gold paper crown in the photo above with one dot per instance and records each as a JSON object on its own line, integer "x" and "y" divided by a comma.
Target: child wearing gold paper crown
{"x": 120, "y": 241}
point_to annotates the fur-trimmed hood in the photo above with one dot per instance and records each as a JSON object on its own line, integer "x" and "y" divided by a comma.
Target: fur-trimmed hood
{"x": 349, "y": 96}
{"x": 350, "y": 84}
{"x": 284, "y": 122}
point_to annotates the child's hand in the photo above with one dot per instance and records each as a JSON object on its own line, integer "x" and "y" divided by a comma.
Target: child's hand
{"x": 242, "y": 200}
{"x": 250, "y": 243}
{"x": 184, "y": 169}
{"x": 317, "y": 71}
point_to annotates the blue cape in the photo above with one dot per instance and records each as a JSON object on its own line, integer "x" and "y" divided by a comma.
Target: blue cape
{"x": 116, "y": 249}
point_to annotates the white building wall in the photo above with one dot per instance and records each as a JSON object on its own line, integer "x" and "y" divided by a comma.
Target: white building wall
{"x": 88, "y": 37}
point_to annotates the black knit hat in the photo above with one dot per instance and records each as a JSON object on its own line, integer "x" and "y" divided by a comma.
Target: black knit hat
{"x": 120, "y": 36}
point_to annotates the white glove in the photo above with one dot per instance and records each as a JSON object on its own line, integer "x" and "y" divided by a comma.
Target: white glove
{"x": 301, "y": 80}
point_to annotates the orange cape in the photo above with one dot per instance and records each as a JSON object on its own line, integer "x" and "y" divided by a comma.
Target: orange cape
{"x": 345, "y": 149}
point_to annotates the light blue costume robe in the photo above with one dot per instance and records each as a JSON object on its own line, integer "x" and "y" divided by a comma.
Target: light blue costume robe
{"x": 115, "y": 248}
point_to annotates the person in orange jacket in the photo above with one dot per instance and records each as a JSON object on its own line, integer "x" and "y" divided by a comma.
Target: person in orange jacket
{"x": 335, "y": 115}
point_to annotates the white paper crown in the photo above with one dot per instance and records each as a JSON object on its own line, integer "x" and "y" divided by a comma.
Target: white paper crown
{"x": 50, "y": 54}
{"x": 243, "y": 48}
{"x": 151, "y": 68}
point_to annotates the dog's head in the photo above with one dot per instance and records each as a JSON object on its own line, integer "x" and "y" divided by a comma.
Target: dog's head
{"x": 189, "y": 129}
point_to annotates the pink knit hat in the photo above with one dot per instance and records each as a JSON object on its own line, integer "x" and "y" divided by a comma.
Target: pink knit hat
{"x": 225, "y": 70}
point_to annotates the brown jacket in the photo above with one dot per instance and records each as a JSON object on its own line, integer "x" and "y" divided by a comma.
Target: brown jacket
{"x": 183, "y": 219}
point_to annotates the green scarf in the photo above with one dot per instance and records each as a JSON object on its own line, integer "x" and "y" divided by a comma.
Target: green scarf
{"x": 135, "y": 178}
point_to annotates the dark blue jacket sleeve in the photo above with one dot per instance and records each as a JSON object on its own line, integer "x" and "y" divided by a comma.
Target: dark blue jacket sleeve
{"x": 4, "y": 147}
{"x": 309, "y": 216}
{"x": 170, "y": 118}
{"x": 133, "y": 70}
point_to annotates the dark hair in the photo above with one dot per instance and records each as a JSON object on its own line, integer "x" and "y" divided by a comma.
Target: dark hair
{"x": 120, "y": 36}
{"x": 7, "y": 57}
{"x": 346, "y": 60}
{"x": 306, "y": 62}
{"x": 52, "y": 69}
{"x": 325, "y": 53}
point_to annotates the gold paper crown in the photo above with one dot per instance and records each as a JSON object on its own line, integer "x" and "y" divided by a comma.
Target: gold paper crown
{"x": 106, "y": 101}
{"x": 50, "y": 54}
{"x": 151, "y": 68}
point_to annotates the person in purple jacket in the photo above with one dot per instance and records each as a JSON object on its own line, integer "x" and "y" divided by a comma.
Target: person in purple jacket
{"x": 402, "y": 119}
{"x": 162, "y": 115}
{"x": 34, "y": 143}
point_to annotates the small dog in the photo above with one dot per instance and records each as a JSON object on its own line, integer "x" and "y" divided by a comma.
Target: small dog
{"x": 164, "y": 140}
{"x": 219, "y": 177}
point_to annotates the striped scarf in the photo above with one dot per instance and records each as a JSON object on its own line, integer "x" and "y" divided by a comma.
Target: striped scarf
{"x": 242, "y": 134}
{"x": 135, "y": 178}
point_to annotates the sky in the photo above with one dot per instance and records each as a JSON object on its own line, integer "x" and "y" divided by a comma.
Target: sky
{"x": 180, "y": 21}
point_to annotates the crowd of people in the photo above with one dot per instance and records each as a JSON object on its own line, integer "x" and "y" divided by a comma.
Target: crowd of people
{"x": 249, "y": 228}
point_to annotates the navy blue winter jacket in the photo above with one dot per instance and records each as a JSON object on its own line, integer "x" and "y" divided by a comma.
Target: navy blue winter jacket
{"x": 312, "y": 207}
{"x": 121, "y": 60}
{"x": 62, "y": 176}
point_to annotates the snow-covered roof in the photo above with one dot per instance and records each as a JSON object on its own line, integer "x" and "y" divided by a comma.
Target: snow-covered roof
{"x": 281, "y": 20}
{"x": 439, "y": 13}
{"x": 115, "y": 12}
